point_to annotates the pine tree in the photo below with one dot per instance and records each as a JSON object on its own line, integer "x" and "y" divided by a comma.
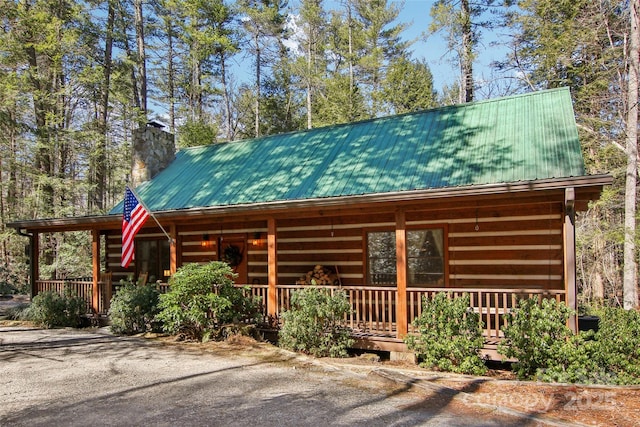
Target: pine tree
{"x": 461, "y": 22}
{"x": 381, "y": 45}
{"x": 408, "y": 86}
{"x": 263, "y": 21}
{"x": 313, "y": 22}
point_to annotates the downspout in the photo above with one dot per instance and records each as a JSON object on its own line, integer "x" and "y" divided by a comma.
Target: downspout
{"x": 32, "y": 266}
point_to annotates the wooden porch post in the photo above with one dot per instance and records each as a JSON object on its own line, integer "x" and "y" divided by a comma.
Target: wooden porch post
{"x": 569, "y": 255}
{"x": 173, "y": 249}
{"x": 401, "y": 268}
{"x": 272, "y": 256}
{"x": 34, "y": 258}
{"x": 95, "y": 255}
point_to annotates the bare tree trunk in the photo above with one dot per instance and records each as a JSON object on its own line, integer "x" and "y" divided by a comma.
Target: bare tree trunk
{"x": 351, "y": 81}
{"x": 466, "y": 56}
{"x": 43, "y": 158}
{"x": 134, "y": 80}
{"x": 99, "y": 192}
{"x": 309, "y": 71}
{"x": 227, "y": 98}
{"x": 350, "y": 51}
{"x": 196, "y": 92}
{"x": 630, "y": 286}
{"x": 257, "y": 103}
{"x": 170, "y": 76}
{"x": 142, "y": 60}
{"x": 12, "y": 191}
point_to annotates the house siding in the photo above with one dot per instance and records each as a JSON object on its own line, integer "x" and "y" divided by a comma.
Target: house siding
{"x": 506, "y": 243}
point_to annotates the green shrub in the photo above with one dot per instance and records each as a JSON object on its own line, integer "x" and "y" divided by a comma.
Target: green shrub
{"x": 133, "y": 309}
{"x": 50, "y": 309}
{"x": 242, "y": 309}
{"x": 537, "y": 335}
{"x": 546, "y": 349}
{"x": 449, "y": 335}
{"x": 10, "y": 282}
{"x": 192, "y": 309}
{"x": 314, "y": 324}
{"x": 7, "y": 289}
{"x": 618, "y": 345}
{"x": 574, "y": 360}
{"x": 534, "y": 335}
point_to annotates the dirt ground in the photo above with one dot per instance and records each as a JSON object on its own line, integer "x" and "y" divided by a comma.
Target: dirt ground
{"x": 588, "y": 405}
{"x": 580, "y": 404}
{"x": 556, "y": 403}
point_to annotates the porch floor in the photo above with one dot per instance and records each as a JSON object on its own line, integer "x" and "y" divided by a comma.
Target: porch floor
{"x": 386, "y": 342}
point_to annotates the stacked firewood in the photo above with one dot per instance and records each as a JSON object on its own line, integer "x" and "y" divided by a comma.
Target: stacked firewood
{"x": 320, "y": 276}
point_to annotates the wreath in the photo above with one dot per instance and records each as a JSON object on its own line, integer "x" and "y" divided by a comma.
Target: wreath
{"x": 232, "y": 255}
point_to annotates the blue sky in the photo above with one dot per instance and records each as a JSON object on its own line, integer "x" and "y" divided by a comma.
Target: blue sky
{"x": 415, "y": 14}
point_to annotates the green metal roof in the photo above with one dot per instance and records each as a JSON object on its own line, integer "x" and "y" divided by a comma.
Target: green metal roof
{"x": 518, "y": 138}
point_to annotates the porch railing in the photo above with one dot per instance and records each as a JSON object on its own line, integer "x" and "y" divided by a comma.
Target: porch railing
{"x": 373, "y": 308}
{"x": 82, "y": 288}
{"x": 491, "y": 304}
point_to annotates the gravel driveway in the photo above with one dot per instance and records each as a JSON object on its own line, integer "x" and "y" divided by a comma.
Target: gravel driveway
{"x": 89, "y": 377}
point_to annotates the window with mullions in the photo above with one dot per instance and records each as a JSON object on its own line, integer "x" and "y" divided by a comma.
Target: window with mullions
{"x": 425, "y": 257}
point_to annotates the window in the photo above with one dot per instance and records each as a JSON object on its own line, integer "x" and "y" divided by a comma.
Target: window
{"x": 425, "y": 257}
{"x": 425, "y": 261}
{"x": 153, "y": 257}
{"x": 381, "y": 250}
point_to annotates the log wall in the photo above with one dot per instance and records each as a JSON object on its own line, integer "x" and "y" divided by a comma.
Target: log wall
{"x": 502, "y": 247}
{"x": 511, "y": 245}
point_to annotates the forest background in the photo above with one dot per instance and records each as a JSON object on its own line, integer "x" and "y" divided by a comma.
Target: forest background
{"x": 77, "y": 77}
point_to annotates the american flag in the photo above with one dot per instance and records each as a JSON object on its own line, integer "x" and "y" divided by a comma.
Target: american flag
{"x": 133, "y": 217}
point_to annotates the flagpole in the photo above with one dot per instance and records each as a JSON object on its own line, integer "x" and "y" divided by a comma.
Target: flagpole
{"x": 171, "y": 241}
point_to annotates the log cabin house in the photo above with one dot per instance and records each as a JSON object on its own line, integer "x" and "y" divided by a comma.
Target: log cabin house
{"x": 478, "y": 198}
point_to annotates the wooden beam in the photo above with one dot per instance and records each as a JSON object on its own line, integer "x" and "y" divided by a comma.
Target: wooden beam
{"x": 569, "y": 255}
{"x": 34, "y": 258}
{"x": 95, "y": 255}
{"x": 401, "y": 271}
{"x": 173, "y": 250}
{"x": 272, "y": 256}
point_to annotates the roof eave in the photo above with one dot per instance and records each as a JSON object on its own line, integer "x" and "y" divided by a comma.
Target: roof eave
{"x": 597, "y": 181}
{"x": 113, "y": 221}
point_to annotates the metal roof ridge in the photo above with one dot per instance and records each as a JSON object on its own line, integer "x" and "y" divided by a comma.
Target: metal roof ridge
{"x": 388, "y": 117}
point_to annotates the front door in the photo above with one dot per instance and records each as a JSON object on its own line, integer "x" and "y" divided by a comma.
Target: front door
{"x": 234, "y": 252}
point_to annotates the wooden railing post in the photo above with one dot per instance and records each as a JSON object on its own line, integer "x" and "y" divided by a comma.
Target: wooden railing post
{"x": 401, "y": 271}
{"x": 34, "y": 258}
{"x": 95, "y": 254}
{"x": 173, "y": 249}
{"x": 272, "y": 256}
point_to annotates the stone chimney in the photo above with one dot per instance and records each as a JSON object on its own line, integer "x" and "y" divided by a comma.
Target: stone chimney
{"x": 153, "y": 150}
